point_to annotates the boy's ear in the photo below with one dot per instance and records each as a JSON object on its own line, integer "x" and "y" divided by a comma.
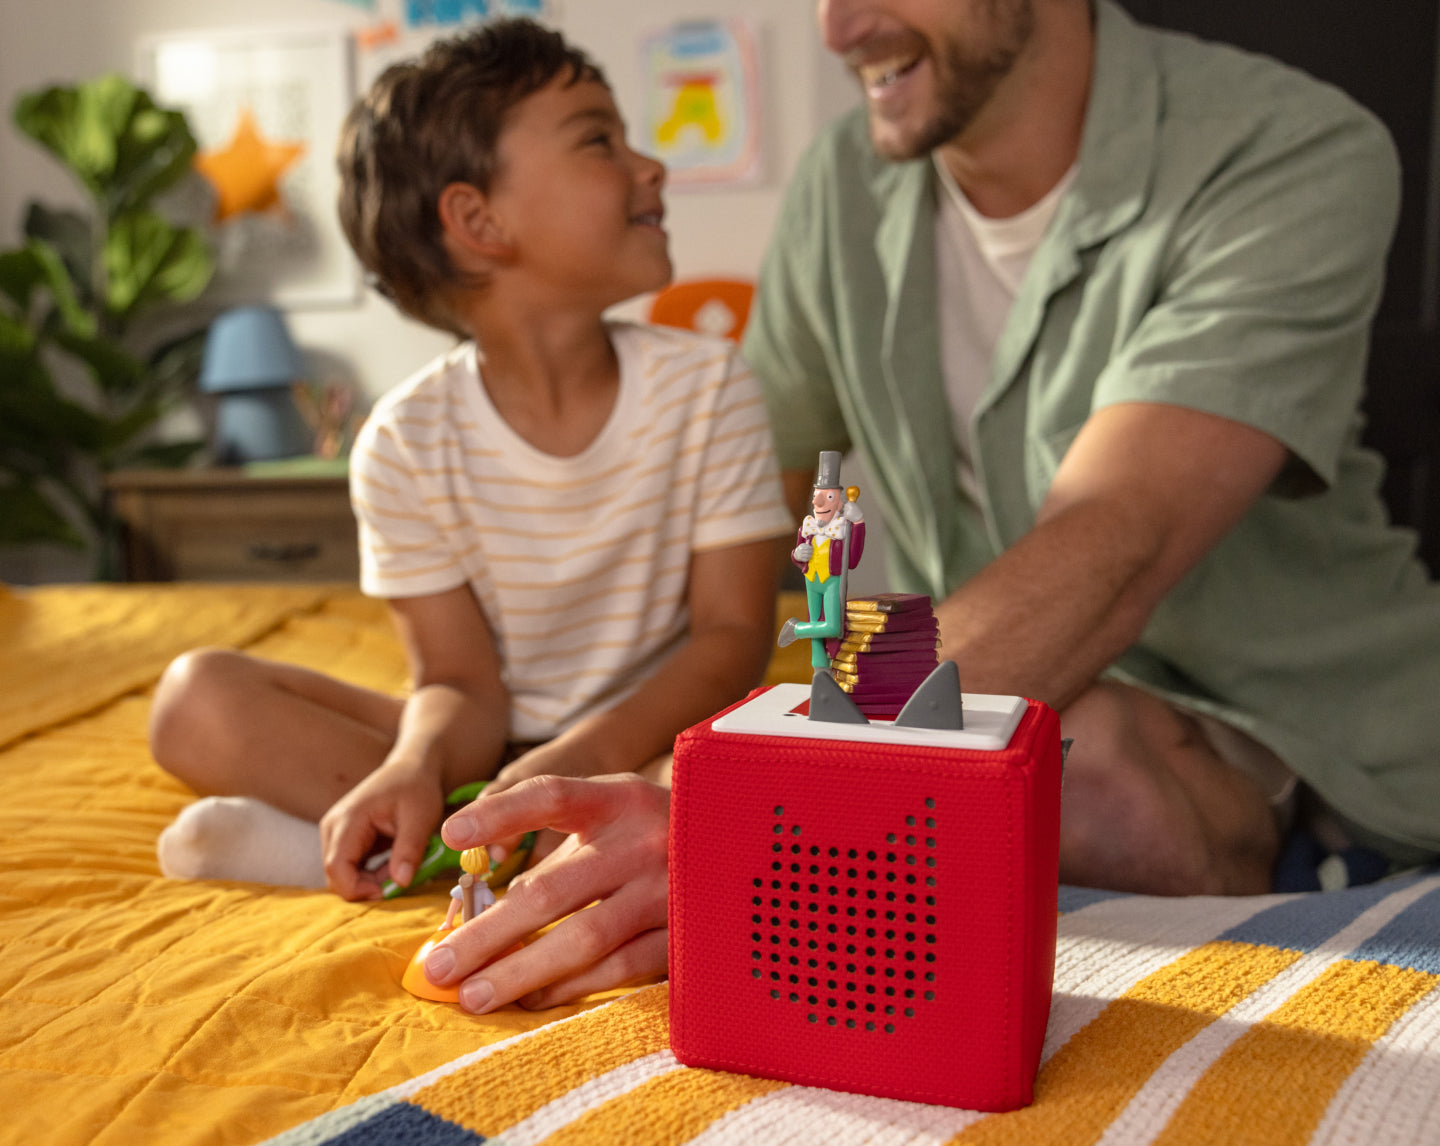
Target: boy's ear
{"x": 470, "y": 227}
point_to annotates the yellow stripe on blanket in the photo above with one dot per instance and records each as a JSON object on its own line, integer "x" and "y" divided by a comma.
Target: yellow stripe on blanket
{"x": 510, "y": 1085}
{"x": 665, "y": 1111}
{"x": 1311, "y": 1044}
{"x": 1089, "y": 1080}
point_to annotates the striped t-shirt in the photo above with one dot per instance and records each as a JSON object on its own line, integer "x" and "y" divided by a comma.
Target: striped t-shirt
{"x": 580, "y": 564}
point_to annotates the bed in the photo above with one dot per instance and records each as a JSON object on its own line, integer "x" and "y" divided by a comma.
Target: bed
{"x": 138, "y": 1009}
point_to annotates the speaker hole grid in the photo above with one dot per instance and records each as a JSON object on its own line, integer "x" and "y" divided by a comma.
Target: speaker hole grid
{"x": 865, "y": 959}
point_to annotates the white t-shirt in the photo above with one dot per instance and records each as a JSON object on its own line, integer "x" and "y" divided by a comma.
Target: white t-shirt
{"x": 580, "y": 564}
{"x": 980, "y": 263}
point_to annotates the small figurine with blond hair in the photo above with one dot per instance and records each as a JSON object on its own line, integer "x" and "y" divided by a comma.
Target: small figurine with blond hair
{"x": 470, "y": 895}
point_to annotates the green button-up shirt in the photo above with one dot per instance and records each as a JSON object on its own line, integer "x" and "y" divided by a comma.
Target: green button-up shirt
{"x": 1222, "y": 248}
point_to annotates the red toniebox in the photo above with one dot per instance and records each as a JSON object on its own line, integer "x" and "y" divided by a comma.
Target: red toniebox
{"x": 864, "y": 907}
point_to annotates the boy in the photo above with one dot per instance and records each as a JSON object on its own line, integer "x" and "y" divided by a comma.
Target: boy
{"x": 572, "y": 520}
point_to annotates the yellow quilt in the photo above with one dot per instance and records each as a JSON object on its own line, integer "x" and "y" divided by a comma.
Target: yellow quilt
{"x": 135, "y": 1009}
{"x": 139, "y": 1009}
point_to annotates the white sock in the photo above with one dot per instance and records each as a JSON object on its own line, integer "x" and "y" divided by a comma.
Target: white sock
{"x": 235, "y": 837}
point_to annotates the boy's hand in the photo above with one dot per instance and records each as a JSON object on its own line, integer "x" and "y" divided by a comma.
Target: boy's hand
{"x": 399, "y": 801}
{"x": 612, "y": 874}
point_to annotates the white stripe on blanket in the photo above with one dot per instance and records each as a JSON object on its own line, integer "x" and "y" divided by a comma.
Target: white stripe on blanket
{"x": 1152, "y": 1107}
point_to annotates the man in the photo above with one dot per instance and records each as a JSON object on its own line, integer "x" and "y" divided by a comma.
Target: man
{"x": 1155, "y": 516}
{"x": 1092, "y": 303}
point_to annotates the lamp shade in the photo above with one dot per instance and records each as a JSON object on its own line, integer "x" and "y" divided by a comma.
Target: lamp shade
{"x": 249, "y": 348}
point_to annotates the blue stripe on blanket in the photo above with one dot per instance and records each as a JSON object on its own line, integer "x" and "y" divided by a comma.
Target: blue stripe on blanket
{"x": 1303, "y": 923}
{"x": 1074, "y": 898}
{"x": 1409, "y": 940}
{"x": 404, "y": 1123}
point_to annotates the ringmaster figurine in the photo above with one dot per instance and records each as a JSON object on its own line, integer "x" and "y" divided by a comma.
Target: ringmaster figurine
{"x": 827, "y": 546}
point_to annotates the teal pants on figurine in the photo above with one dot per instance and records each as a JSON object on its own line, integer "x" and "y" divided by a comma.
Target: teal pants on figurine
{"x": 822, "y": 599}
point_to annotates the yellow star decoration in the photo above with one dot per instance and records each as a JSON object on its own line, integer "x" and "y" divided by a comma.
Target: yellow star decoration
{"x": 246, "y": 171}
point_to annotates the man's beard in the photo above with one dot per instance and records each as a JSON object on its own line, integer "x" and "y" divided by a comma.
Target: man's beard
{"x": 964, "y": 82}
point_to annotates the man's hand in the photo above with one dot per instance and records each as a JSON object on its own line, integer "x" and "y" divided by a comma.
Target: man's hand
{"x": 566, "y": 755}
{"x": 606, "y": 884}
{"x": 801, "y": 553}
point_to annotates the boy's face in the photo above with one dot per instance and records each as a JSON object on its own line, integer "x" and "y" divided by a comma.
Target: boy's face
{"x": 583, "y": 211}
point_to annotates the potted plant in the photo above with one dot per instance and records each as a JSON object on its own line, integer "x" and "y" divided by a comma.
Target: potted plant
{"x": 85, "y": 370}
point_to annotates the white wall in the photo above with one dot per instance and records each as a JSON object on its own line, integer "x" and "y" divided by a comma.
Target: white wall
{"x": 712, "y": 231}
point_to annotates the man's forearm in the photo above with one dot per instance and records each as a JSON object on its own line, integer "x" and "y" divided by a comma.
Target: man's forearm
{"x": 1047, "y": 616}
{"x": 1144, "y": 493}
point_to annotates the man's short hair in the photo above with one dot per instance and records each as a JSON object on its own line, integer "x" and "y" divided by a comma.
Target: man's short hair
{"x": 427, "y": 123}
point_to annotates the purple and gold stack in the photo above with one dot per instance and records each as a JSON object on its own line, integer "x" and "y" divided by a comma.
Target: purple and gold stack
{"x": 888, "y": 649}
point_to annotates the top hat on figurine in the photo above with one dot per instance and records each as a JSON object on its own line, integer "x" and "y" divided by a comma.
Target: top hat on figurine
{"x": 827, "y": 472}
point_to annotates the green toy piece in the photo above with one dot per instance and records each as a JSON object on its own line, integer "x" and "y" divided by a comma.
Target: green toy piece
{"x": 440, "y": 857}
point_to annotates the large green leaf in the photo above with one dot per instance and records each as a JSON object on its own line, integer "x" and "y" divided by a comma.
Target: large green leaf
{"x": 36, "y": 418}
{"x": 71, "y": 236}
{"x": 112, "y": 136}
{"x": 20, "y": 274}
{"x": 149, "y": 261}
{"x": 122, "y": 431}
{"x": 114, "y": 371}
{"x": 80, "y": 126}
{"x": 17, "y": 344}
{"x": 62, "y": 290}
{"x": 26, "y": 516}
{"x": 155, "y": 152}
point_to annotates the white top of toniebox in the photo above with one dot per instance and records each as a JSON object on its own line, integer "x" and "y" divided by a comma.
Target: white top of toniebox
{"x": 990, "y": 721}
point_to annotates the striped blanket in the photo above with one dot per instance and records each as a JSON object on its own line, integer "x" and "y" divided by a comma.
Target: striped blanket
{"x": 1268, "y": 1020}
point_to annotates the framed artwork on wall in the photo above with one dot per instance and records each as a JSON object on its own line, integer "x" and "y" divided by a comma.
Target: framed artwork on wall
{"x": 266, "y": 108}
{"x": 702, "y": 114}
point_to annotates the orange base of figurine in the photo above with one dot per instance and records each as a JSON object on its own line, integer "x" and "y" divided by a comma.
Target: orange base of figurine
{"x": 414, "y": 979}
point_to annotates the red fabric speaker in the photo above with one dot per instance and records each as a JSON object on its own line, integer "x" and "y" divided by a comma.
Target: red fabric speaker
{"x": 856, "y": 913}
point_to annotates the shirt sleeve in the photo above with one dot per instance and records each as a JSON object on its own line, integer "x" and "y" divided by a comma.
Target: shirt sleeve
{"x": 1274, "y": 271}
{"x": 403, "y": 550}
{"x": 739, "y": 498}
{"x": 782, "y": 338}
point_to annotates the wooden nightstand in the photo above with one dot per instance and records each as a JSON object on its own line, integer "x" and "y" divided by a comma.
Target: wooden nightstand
{"x": 231, "y": 525}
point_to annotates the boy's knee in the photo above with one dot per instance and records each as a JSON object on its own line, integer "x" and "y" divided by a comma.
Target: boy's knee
{"x": 188, "y": 701}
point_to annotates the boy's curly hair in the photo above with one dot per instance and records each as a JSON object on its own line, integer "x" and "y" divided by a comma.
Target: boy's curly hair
{"x": 427, "y": 123}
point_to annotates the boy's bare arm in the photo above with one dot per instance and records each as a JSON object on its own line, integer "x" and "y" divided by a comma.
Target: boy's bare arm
{"x": 452, "y": 730}
{"x": 732, "y": 628}
{"x": 458, "y": 717}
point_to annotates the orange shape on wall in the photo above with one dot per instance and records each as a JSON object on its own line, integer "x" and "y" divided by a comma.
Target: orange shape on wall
{"x": 246, "y": 171}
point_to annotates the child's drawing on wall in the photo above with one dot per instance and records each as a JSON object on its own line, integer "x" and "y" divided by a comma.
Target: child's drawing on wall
{"x": 702, "y": 110}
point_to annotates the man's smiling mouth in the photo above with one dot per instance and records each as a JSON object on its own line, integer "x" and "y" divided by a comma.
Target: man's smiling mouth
{"x": 880, "y": 74}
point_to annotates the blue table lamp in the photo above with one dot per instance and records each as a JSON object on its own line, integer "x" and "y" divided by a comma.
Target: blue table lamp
{"x": 251, "y": 362}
